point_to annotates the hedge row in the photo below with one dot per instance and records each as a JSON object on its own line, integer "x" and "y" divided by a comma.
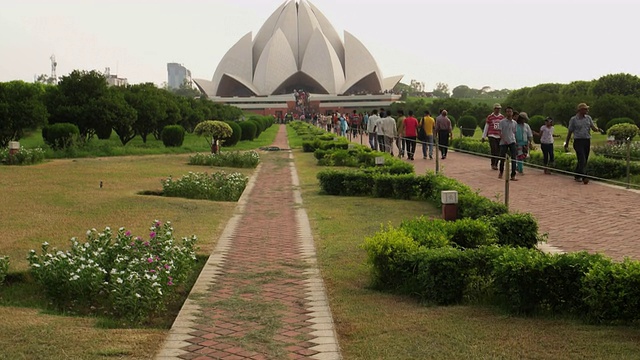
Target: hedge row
{"x": 407, "y": 186}
{"x": 361, "y": 156}
{"x": 520, "y": 280}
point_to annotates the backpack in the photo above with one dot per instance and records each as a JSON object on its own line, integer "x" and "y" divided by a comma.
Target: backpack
{"x": 422, "y": 135}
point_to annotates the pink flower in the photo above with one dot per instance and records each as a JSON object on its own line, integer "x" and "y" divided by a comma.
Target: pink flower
{"x": 152, "y": 235}
{"x": 132, "y": 244}
{"x": 138, "y": 238}
{"x": 158, "y": 224}
{"x": 146, "y": 243}
{"x": 152, "y": 271}
{"x": 150, "y": 260}
{"x": 167, "y": 267}
{"x": 128, "y": 233}
{"x": 170, "y": 283}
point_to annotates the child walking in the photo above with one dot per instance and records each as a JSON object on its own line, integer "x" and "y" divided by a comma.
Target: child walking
{"x": 546, "y": 143}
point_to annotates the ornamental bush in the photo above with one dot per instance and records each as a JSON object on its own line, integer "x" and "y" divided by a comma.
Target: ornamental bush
{"x": 60, "y": 135}
{"x": 217, "y": 187}
{"x": 128, "y": 276}
{"x": 471, "y": 145}
{"x": 516, "y": 229}
{"x": 623, "y": 132}
{"x": 235, "y": 159}
{"x": 22, "y": 157}
{"x": 172, "y": 135}
{"x": 616, "y": 121}
{"x": 618, "y": 151}
{"x": 248, "y": 130}
{"x": 259, "y": 127}
{"x": 235, "y": 135}
{"x": 468, "y": 124}
{"x": 611, "y": 291}
{"x": 389, "y": 252}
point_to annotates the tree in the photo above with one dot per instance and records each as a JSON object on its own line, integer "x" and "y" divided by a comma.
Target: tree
{"x": 608, "y": 107}
{"x": 21, "y": 108}
{"x": 149, "y": 105}
{"x": 186, "y": 90}
{"x": 460, "y": 92}
{"x": 617, "y": 84}
{"x": 78, "y": 99}
{"x": 120, "y": 115}
{"x": 441, "y": 90}
{"x": 215, "y": 131}
{"x": 538, "y": 97}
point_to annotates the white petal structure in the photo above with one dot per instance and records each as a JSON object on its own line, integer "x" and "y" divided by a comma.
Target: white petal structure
{"x": 296, "y": 48}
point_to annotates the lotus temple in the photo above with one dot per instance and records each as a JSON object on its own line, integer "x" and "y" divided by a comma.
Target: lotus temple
{"x": 298, "y": 55}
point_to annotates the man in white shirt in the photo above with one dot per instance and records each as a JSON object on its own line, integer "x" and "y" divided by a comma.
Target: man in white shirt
{"x": 372, "y": 122}
{"x": 389, "y": 132}
{"x": 507, "y": 128}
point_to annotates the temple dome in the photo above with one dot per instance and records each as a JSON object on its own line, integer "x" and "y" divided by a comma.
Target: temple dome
{"x": 297, "y": 48}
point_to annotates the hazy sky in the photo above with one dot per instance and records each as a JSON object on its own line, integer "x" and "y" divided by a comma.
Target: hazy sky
{"x": 502, "y": 44}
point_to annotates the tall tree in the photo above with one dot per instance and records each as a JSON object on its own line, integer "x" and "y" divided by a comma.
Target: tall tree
{"x": 441, "y": 90}
{"x": 149, "y": 104}
{"x": 21, "y": 108}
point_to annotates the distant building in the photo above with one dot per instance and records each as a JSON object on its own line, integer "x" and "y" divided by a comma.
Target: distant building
{"x": 178, "y": 75}
{"x": 114, "y": 80}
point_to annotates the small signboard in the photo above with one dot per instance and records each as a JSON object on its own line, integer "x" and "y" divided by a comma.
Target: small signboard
{"x": 449, "y": 197}
{"x": 379, "y": 160}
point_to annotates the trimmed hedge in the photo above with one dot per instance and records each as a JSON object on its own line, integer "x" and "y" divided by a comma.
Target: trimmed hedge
{"x": 248, "y": 130}
{"x": 172, "y": 135}
{"x": 235, "y": 136}
{"x": 468, "y": 124}
{"x": 60, "y": 135}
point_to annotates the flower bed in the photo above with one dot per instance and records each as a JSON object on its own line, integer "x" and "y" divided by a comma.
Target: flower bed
{"x": 119, "y": 274}
{"x": 218, "y": 186}
{"x": 22, "y": 157}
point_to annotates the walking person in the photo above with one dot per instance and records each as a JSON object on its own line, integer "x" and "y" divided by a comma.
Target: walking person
{"x": 389, "y": 132}
{"x": 524, "y": 136}
{"x": 344, "y": 126}
{"x": 427, "y": 124}
{"x": 411, "y": 133}
{"x": 580, "y": 126}
{"x": 492, "y": 132}
{"x": 401, "y": 143}
{"x": 372, "y": 122}
{"x": 507, "y": 128}
{"x": 445, "y": 132}
{"x": 546, "y": 143}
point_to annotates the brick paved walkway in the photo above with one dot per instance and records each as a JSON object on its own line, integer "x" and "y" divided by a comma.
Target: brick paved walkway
{"x": 594, "y": 217}
{"x": 260, "y": 295}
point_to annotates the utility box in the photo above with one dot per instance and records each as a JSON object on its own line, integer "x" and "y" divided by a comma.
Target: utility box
{"x": 449, "y": 199}
{"x": 14, "y": 146}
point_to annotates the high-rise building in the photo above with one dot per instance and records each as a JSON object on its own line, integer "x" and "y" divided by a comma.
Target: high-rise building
{"x": 178, "y": 75}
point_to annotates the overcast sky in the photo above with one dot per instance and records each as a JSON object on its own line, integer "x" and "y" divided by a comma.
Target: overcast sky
{"x": 501, "y": 44}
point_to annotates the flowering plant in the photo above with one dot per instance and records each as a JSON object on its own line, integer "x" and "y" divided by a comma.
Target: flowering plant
{"x": 22, "y": 157}
{"x": 4, "y": 268}
{"x": 236, "y": 159}
{"x": 127, "y": 276}
{"x": 217, "y": 187}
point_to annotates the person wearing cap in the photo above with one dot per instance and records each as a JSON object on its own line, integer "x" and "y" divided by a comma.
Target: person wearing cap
{"x": 508, "y": 142}
{"x": 580, "y": 126}
{"x": 546, "y": 143}
{"x": 492, "y": 132}
{"x": 524, "y": 135}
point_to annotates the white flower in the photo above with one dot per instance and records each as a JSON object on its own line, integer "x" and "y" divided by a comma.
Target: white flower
{"x": 107, "y": 229}
{"x": 119, "y": 280}
{"x": 45, "y": 244}
{"x": 138, "y": 296}
{"x": 36, "y": 265}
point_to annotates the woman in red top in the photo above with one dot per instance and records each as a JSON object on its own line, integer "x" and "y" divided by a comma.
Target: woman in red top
{"x": 411, "y": 133}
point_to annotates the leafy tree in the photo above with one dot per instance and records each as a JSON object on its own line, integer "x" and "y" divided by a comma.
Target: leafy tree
{"x": 608, "y": 107}
{"x": 120, "y": 115}
{"x": 465, "y": 92}
{"x": 454, "y": 107}
{"x": 150, "y": 106}
{"x": 214, "y": 131}
{"x": 78, "y": 99}
{"x": 186, "y": 90}
{"x": 479, "y": 111}
{"x": 441, "y": 90}
{"x": 538, "y": 97}
{"x": 21, "y": 108}
{"x": 617, "y": 84}
{"x": 172, "y": 116}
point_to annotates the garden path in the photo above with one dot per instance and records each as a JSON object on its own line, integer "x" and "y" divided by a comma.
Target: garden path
{"x": 596, "y": 217}
{"x": 260, "y": 296}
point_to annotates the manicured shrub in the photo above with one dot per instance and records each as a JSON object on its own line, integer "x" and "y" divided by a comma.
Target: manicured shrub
{"x": 248, "y": 130}
{"x": 469, "y": 233}
{"x": 441, "y": 275}
{"x": 404, "y": 186}
{"x": 536, "y": 122}
{"x": 127, "y": 276}
{"x": 236, "y": 135}
{"x": 172, "y": 135}
{"x": 430, "y": 233}
{"x": 616, "y": 121}
{"x": 474, "y": 206}
{"x": 60, "y": 135}
{"x": 516, "y": 229}
{"x": 390, "y": 254}
{"x": 235, "y": 159}
{"x": 468, "y": 124}
{"x": 217, "y": 187}
{"x": 611, "y": 291}
{"x": 259, "y": 126}
{"x": 471, "y": 145}
{"x": 597, "y": 165}
{"x": 623, "y": 132}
